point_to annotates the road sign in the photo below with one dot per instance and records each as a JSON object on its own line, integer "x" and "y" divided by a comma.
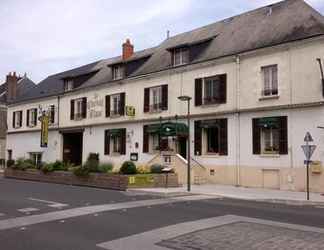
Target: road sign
{"x": 308, "y": 151}
{"x": 308, "y": 137}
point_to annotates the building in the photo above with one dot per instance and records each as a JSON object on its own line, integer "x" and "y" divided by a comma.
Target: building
{"x": 256, "y": 89}
{"x": 15, "y": 86}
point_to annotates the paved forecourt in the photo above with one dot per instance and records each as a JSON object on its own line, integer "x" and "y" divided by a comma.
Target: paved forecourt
{"x": 225, "y": 232}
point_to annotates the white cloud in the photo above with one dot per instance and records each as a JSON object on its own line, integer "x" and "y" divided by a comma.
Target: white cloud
{"x": 45, "y": 36}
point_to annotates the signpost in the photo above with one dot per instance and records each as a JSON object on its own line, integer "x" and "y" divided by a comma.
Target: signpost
{"x": 308, "y": 151}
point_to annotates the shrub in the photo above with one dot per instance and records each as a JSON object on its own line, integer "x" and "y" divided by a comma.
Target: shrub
{"x": 20, "y": 164}
{"x": 105, "y": 167}
{"x": 128, "y": 167}
{"x": 47, "y": 168}
{"x": 81, "y": 171}
{"x": 10, "y": 163}
{"x": 92, "y": 162}
{"x": 59, "y": 166}
{"x": 156, "y": 169}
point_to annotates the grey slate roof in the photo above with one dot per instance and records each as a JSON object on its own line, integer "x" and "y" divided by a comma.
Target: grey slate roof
{"x": 271, "y": 25}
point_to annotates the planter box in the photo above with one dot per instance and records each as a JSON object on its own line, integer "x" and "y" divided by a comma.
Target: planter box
{"x": 153, "y": 181}
{"x": 107, "y": 181}
{"x": 116, "y": 182}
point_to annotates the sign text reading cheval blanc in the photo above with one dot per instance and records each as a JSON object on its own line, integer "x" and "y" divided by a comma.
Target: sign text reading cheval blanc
{"x": 95, "y": 106}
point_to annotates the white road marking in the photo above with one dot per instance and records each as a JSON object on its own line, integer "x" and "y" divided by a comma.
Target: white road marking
{"x": 148, "y": 240}
{"x": 28, "y": 210}
{"x": 52, "y": 204}
{"x": 75, "y": 212}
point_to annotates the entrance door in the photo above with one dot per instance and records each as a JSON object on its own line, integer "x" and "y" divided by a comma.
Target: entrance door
{"x": 72, "y": 148}
{"x": 182, "y": 146}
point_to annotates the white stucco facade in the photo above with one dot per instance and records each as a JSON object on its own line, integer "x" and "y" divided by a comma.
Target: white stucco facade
{"x": 299, "y": 99}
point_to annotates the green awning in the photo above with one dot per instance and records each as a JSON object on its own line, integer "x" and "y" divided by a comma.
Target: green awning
{"x": 269, "y": 122}
{"x": 114, "y": 132}
{"x": 168, "y": 129}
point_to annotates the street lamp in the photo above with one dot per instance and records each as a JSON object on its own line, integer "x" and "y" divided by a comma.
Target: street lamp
{"x": 187, "y": 99}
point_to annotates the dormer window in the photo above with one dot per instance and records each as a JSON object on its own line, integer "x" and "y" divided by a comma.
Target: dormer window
{"x": 68, "y": 85}
{"x": 118, "y": 72}
{"x": 180, "y": 56}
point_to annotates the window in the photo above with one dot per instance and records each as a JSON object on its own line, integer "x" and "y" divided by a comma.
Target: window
{"x": 68, "y": 85}
{"x": 36, "y": 158}
{"x": 116, "y": 144}
{"x": 210, "y": 90}
{"x": 78, "y": 109}
{"x": 270, "y": 135}
{"x": 115, "y": 105}
{"x": 118, "y": 72}
{"x": 115, "y": 141}
{"x": 31, "y": 117}
{"x": 52, "y": 114}
{"x": 156, "y": 99}
{"x": 270, "y": 80}
{"x": 270, "y": 140}
{"x": 155, "y": 142}
{"x": 212, "y": 136}
{"x": 180, "y": 56}
{"x": 17, "y": 119}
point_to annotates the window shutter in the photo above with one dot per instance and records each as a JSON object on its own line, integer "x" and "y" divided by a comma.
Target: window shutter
{"x": 84, "y": 107}
{"x": 283, "y": 140}
{"x": 107, "y": 105}
{"x": 13, "y": 119}
{"x": 35, "y": 116}
{"x": 198, "y": 92}
{"x": 165, "y": 97}
{"x": 123, "y": 141}
{"x": 72, "y": 110}
{"x": 21, "y": 118}
{"x": 146, "y": 100}
{"x": 256, "y": 137}
{"x": 27, "y": 121}
{"x": 222, "y": 88}
{"x": 122, "y": 104}
{"x": 198, "y": 137}
{"x": 223, "y": 143}
{"x": 145, "y": 139}
{"x": 52, "y": 114}
{"x": 107, "y": 142}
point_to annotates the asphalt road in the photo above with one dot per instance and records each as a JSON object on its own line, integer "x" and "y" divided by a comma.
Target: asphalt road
{"x": 123, "y": 214}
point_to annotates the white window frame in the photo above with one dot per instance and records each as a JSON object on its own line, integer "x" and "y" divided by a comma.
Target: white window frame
{"x": 183, "y": 54}
{"x": 115, "y": 144}
{"x": 32, "y": 121}
{"x": 271, "y": 133}
{"x": 38, "y": 155}
{"x": 213, "y": 81}
{"x": 270, "y": 81}
{"x": 114, "y": 110}
{"x": 118, "y": 72}
{"x": 156, "y": 98}
{"x": 154, "y": 142}
{"x": 68, "y": 85}
{"x": 18, "y": 119}
{"x": 78, "y": 103}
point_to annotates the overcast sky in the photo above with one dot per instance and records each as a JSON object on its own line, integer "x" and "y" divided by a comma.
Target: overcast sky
{"x": 43, "y": 37}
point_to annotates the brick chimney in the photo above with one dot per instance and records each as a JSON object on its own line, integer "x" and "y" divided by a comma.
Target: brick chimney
{"x": 128, "y": 49}
{"x": 11, "y": 84}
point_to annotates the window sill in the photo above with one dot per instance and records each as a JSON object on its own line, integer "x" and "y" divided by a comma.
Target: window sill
{"x": 207, "y": 105}
{"x": 270, "y": 97}
{"x": 210, "y": 155}
{"x": 115, "y": 154}
{"x": 31, "y": 126}
{"x": 269, "y": 155}
{"x": 115, "y": 116}
{"x": 157, "y": 111}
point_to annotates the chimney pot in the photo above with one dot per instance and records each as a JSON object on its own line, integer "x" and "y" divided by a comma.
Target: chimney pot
{"x": 11, "y": 86}
{"x": 128, "y": 49}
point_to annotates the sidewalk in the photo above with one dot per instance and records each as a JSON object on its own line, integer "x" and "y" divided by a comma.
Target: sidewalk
{"x": 256, "y": 194}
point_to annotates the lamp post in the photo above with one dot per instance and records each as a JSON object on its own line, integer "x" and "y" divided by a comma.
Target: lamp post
{"x": 187, "y": 99}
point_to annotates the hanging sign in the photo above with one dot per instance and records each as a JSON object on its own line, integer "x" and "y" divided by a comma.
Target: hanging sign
{"x": 44, "y": 130}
